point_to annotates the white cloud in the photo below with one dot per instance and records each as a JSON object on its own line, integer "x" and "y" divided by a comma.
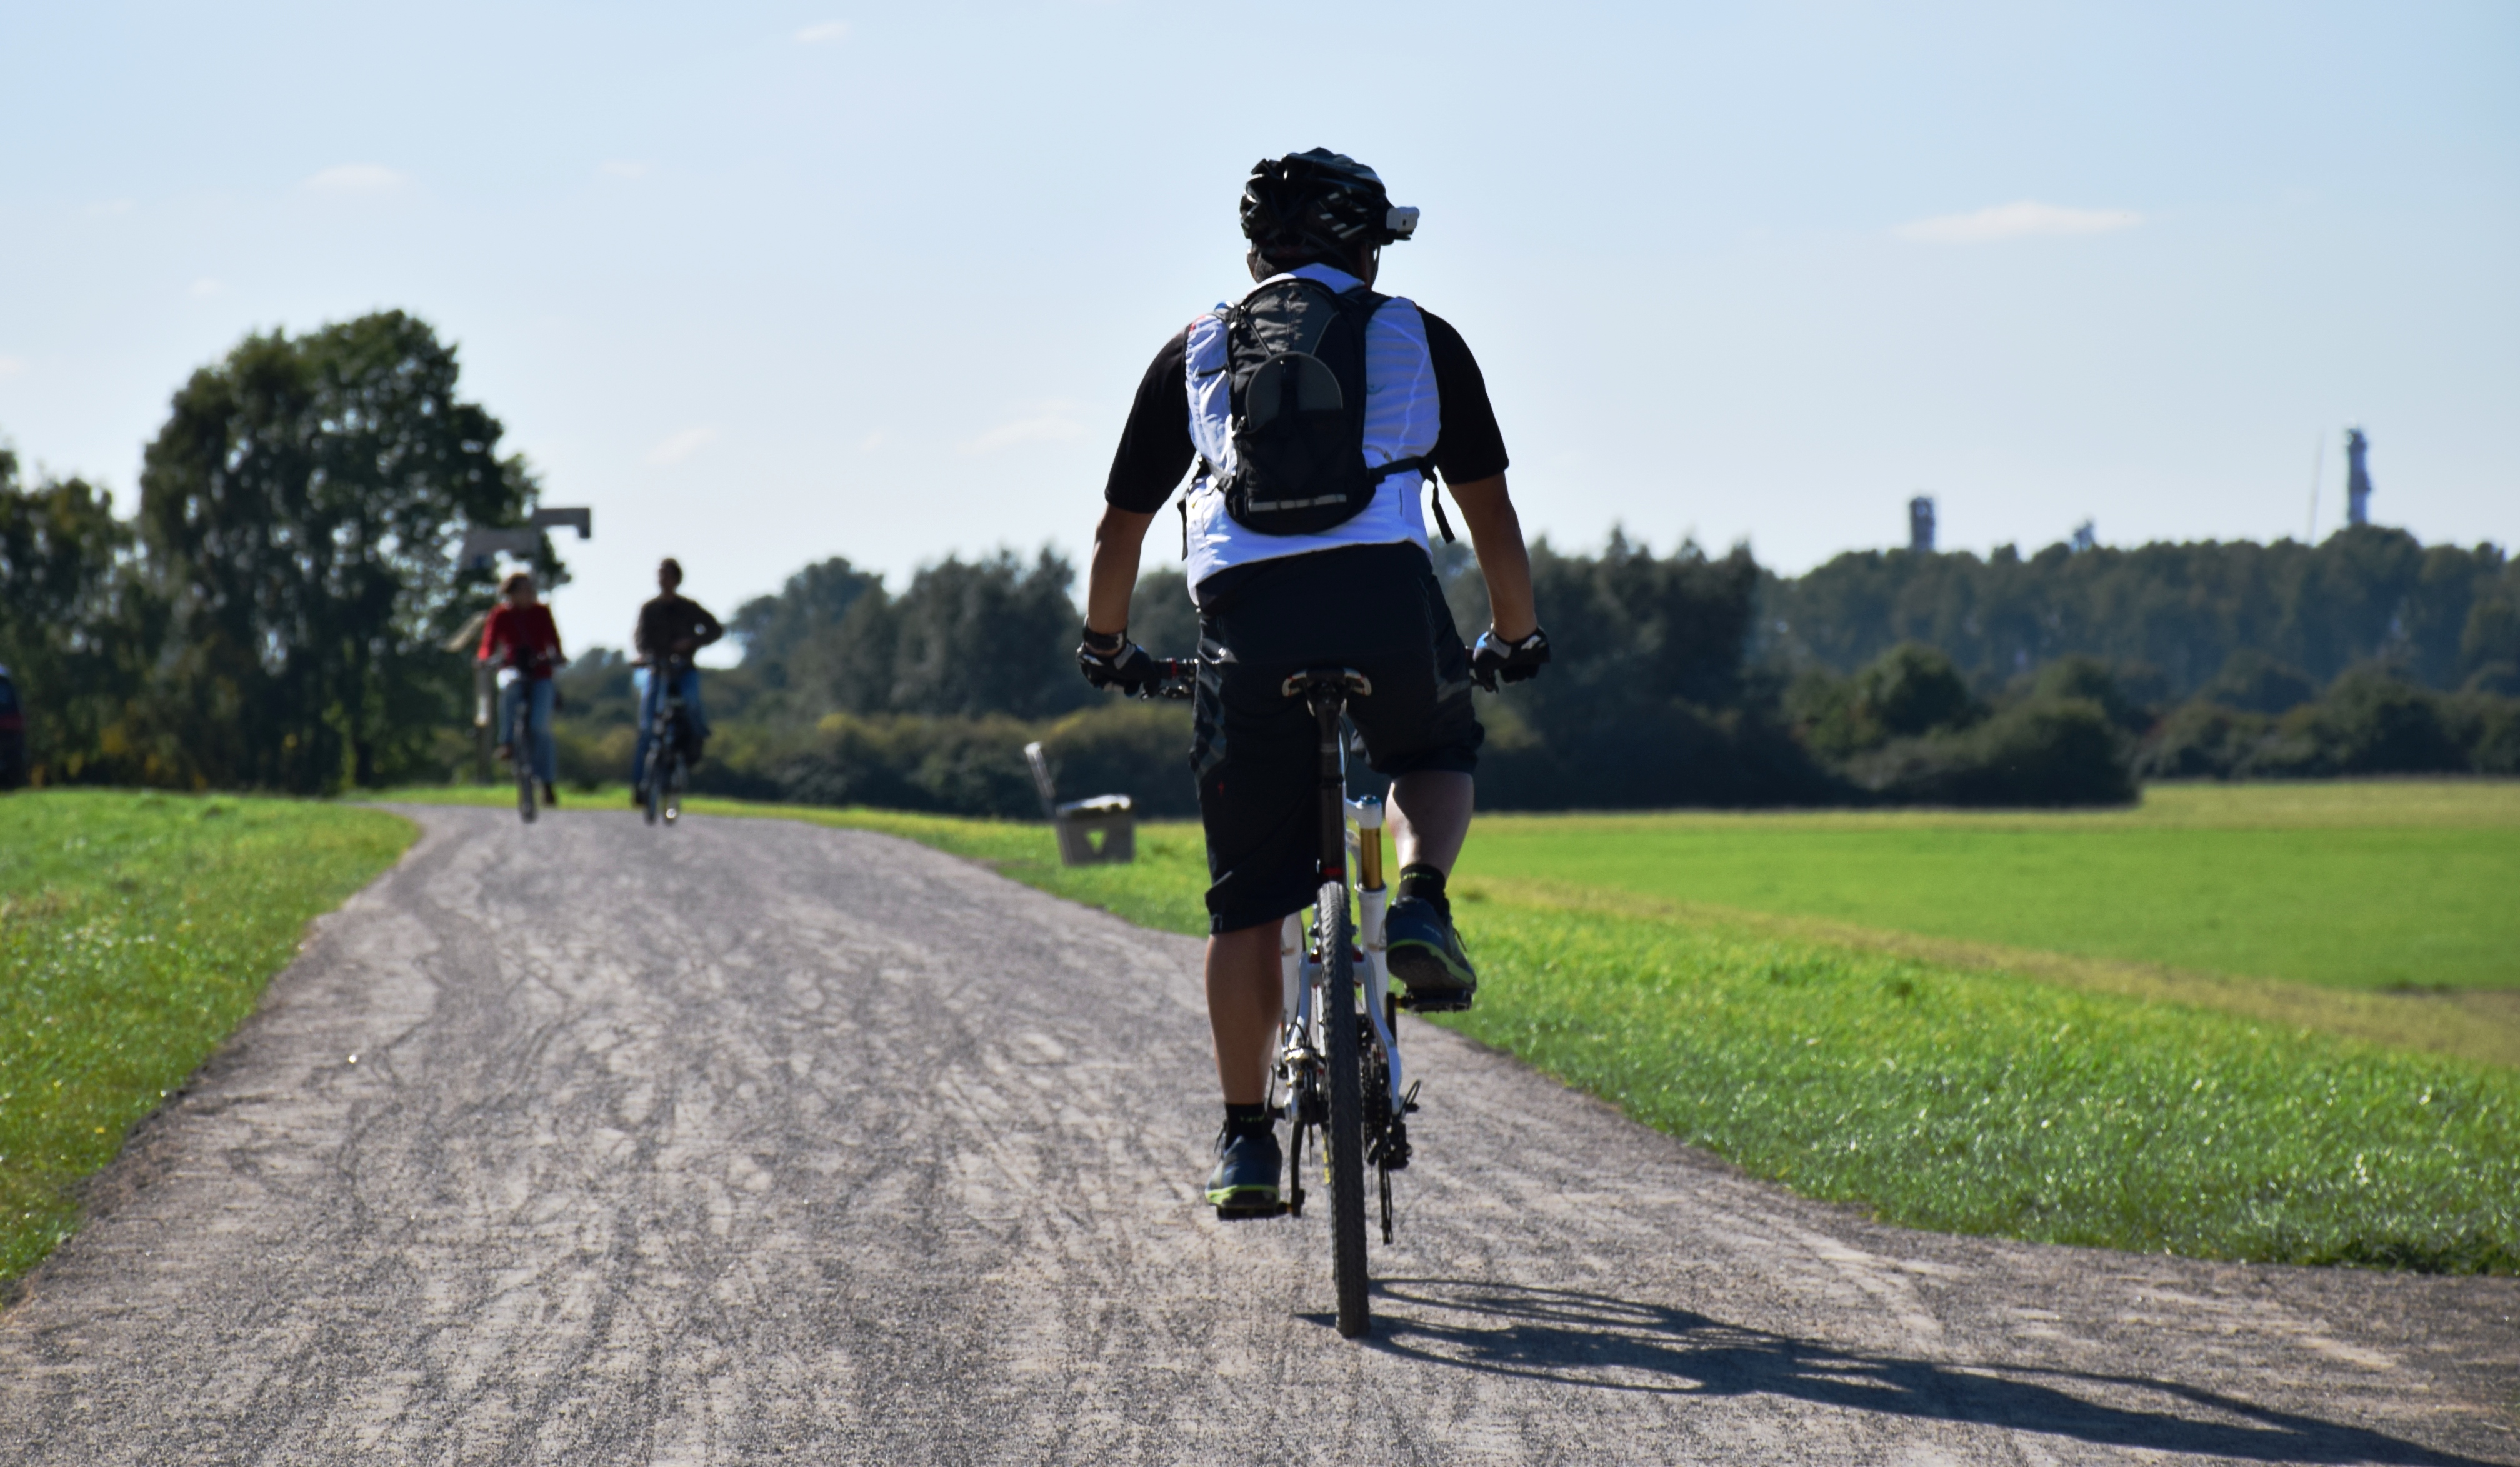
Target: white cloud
{"x": 2016, "y": 221}
{"x": 204, "y": 288}
{"x": 356, "y": 178}
{"x": 827, "y": 31}
{"x": 1052, "y": 425}
{"x": 682, "y": 445}
{"x": 11, "y": 366}
{"x": 623, "y": 168}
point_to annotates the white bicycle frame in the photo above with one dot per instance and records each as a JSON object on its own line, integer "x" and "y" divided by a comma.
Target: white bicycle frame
{"x": 1301, "y": 1035}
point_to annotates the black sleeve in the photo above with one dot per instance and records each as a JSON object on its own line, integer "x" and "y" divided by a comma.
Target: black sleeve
{"x": 1470, "y": 447}
{"x": 708, "y": 627}
{"x": 1155, "y": 448}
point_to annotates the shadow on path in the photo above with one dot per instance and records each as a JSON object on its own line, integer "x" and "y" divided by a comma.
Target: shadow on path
{"x": 1612, "y": 1343}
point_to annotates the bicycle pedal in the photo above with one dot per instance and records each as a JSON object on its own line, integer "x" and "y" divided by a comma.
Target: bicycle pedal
{"x": 1448, "y": 1003}
{"x": 1253, "y": 1213}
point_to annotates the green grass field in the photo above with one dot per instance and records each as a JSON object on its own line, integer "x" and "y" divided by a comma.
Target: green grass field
{"x": 1993, "y": 1091}
{"x": 2367, "y": 886}
{"x": 136, "y": 930}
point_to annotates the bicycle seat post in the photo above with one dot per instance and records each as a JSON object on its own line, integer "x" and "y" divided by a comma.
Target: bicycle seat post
{"x": 1327, "y": 689}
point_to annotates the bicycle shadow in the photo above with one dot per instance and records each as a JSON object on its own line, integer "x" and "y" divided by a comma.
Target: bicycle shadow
{"x": 1604, "y": 1342}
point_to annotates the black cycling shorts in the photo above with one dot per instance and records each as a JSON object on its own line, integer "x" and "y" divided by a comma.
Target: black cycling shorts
{"x": 1375, "y": 608}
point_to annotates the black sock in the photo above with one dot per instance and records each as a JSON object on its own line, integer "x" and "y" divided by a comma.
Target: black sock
{"x": 1248, "y": 1120}
{"x": 1426, "y": 884}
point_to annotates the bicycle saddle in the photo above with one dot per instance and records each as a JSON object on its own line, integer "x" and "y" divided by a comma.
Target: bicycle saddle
{"x": 1322, "y": 679}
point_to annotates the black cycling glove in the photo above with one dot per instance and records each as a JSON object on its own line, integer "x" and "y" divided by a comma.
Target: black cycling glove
{"x": 1109, "y": 660}
{"x": 1494, "y": 658}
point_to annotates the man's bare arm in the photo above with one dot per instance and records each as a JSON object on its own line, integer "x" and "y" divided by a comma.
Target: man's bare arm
{"x": 1112, "y": 574}
{"x": 1495, "y": 533}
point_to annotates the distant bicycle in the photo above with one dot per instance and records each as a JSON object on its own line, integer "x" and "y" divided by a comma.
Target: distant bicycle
{"x": 669, "y": 765}
{"x": 518, "y": 691}
{"x": 1338, "y": 1074}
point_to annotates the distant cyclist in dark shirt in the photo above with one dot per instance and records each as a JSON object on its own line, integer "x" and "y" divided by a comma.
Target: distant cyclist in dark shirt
{"x": 671, "y": 627}
{"x": 1360, "y": 593}
{"x": 521, "y": 635}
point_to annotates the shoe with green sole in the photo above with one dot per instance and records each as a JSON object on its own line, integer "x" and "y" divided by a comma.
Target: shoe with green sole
{"x": 1425, "y": 954}
{"x": 1245, "y": 1183}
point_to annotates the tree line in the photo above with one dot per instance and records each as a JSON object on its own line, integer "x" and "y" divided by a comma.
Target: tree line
{"x": 1694, "y": 679}
{"x": 2179, "y": 620}
{"x": 279, "y": 614}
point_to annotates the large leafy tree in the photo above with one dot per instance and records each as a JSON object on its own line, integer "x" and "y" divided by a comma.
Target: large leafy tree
{"x": 987, "y": 636}
{"x": 968, "y": 638}
{"x": 75, "y": 630}
{"x": 776, "y": 631}
{"x": 299, "y": 510}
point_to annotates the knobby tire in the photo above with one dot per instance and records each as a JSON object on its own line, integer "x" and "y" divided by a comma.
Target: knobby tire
{"x": 658, "y": 759}
{"x": 1343, "y": 1139}
{"x": 520, "y": 746}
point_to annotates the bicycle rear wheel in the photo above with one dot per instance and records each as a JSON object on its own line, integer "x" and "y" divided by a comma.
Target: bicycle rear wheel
{"x": 677, "y": 771}
{"x": 520, "y": 753}
{"x": 1343, "y": 1138}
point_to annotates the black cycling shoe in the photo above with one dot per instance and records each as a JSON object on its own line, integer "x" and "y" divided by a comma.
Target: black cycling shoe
{"x": 1245, "y": 1183}
{"x": 637, "y": 796}
{"x": 1425, "y": 954}
{"x": 551, "y": 796}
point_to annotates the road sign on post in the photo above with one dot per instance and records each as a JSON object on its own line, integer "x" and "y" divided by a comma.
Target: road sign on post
{"x": 482, "y": 545}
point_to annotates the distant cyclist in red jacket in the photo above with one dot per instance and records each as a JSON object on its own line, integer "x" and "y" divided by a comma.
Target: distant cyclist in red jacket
{"x": 521, "y": 635}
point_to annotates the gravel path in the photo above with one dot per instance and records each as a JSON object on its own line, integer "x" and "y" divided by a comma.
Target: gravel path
{"x": 756, "y": 1141}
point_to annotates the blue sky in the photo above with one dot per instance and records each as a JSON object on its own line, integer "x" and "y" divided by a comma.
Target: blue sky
{"x": 767, "y": 283}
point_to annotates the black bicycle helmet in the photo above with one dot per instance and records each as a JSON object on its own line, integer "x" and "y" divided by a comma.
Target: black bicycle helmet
{"x": 1317, "y": 203}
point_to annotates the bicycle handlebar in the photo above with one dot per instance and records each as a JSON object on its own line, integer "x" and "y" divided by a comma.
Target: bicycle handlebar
{"x": 1178, "y": 677}
{"x": 509, "y": 662}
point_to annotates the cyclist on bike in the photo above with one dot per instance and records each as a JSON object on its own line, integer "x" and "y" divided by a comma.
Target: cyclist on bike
{"x": 671, "y": 627}
{"x": 1282, "y": 585}
{"x": 521, "y": 635}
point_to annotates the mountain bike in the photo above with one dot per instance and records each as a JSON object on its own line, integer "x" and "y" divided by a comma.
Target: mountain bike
{"x": 1338, "y": 1076}
{"x": 521, "y": 735}
{"x": 669, "y": 768}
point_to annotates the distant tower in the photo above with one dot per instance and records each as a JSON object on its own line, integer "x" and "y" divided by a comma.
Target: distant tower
{"x": 2358, "y": 478}
{"x": 1921, "y": 525}
{"x": 2085, "y": 537}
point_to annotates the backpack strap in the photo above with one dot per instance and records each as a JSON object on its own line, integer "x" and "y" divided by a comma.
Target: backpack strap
{"x": 1423, "y": 464}
{"x": 1181, "y": 501}
{"x": 1424, "y": 468}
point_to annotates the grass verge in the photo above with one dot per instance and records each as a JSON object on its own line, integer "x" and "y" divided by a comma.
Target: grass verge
{"x": 1975, "y": 1101}
{"x": 1943, "y": 1090}
{"x": 136, "y": 930}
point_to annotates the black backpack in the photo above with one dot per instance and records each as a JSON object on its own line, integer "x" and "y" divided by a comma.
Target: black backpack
{"x": 1296, "y": 351}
